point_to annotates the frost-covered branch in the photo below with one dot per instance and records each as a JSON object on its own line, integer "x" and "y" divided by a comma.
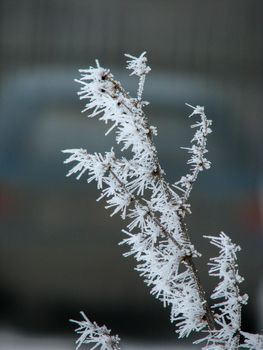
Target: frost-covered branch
{"x": 139, "y": 67}
{"x": 156, "y": 233}
{"x": 157, "y": 236}
{"x": 228, "y": 308}
{"x": 92, "y": 334}
{"x": 198, "y": 149}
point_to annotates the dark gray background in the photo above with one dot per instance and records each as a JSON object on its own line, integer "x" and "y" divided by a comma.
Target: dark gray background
{"x": 59, "y": 248}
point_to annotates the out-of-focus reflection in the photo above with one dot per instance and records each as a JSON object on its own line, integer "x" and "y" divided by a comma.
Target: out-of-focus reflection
{"x": 15, "y": 341}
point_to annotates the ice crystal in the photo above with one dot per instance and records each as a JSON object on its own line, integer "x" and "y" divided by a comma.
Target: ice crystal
{"x": 156, "y": 234}
{"x": 92, "y": 334}
{"x": 228, "y": 308}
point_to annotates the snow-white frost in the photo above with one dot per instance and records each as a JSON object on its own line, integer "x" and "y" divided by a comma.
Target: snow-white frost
{"x": 228, "y": 308}
{"x": 138, "y": 66}
{"x": 92, "y": 334}
{"x": 156, "y": 234}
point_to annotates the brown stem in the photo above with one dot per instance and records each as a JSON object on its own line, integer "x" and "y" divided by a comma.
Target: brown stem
{"x": 209, "y": 317}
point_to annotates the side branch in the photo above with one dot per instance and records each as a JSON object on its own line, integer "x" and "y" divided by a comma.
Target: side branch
{"x": 92, "y": 334}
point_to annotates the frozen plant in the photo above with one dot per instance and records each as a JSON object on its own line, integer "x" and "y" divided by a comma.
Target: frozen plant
{"x": 91, "y": 333}
{"x": 156, "y": 233}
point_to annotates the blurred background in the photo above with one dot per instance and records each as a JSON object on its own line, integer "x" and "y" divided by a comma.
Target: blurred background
{"x": 59, "y": 250}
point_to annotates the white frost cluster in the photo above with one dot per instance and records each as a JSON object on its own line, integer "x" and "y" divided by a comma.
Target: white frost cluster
{"x": 138, "y": 66}
{"x": 197, "y": 160}
{"x": 98, "y": 337}
{"x": 156, "y": 234}
{"x": 228, "y": 308}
